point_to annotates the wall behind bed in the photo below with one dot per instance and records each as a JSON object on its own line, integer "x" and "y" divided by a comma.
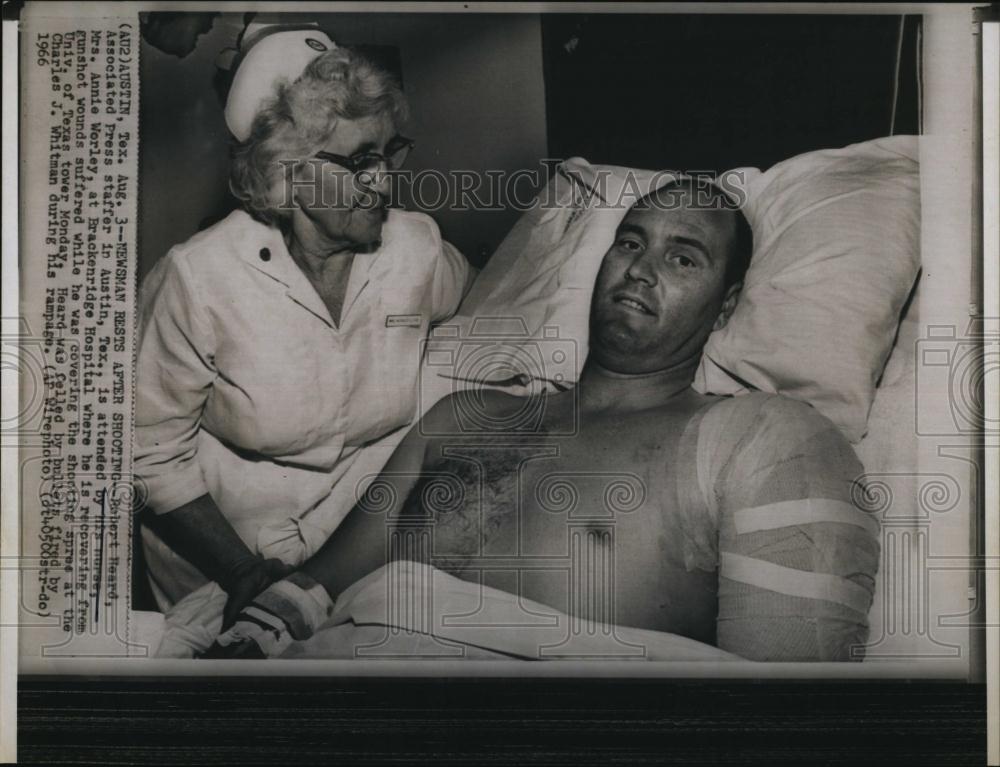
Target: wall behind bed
{"x": 694, "y": 92}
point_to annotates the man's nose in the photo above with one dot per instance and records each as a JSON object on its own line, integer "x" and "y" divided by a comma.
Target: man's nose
{"x": 641, "y": 270}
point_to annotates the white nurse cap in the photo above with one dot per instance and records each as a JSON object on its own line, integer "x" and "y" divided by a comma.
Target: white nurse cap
{"x": 282, "y": 54}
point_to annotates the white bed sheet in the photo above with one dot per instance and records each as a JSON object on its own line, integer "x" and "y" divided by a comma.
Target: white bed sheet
{"x": 410, "y": 610}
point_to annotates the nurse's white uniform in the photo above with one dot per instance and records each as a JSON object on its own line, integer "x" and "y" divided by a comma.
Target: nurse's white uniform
{"x": 248, "y": 391}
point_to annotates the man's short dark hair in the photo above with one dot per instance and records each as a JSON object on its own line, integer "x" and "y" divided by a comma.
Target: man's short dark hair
{"x": 738, "y": 259}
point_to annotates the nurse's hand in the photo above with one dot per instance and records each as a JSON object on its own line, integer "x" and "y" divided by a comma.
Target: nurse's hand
{"x": 201, "y": 534}
{"x": 245, "y": 580}
{"x": 288, "y": 610}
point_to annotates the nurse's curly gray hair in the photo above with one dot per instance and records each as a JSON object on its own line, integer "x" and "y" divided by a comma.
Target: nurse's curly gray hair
{"x": 298, "y": 122}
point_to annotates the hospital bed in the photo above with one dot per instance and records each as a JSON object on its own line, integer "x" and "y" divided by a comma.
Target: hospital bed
{"x": 534, "y": 294}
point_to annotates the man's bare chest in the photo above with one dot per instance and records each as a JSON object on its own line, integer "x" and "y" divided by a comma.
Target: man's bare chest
{"x": 527, "y": 495}
{"x": 553, "y": 517}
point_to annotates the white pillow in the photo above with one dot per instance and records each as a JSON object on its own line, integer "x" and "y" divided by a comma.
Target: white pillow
{"x": 836, "y": 252}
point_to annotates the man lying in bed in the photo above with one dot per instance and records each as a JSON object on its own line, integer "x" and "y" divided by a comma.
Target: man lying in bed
{"x": 725, "y": 520}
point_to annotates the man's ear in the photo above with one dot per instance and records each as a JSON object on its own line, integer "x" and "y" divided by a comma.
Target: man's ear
{"x": 728, "y": 305}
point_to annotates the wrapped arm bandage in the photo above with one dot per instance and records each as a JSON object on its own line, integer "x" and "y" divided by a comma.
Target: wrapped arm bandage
{"x": 797, "y": 560}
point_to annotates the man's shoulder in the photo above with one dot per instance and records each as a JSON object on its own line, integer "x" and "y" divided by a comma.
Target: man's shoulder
{"x": 770, "y": 417}
{"x": 765, "y": 404}
{"x": 761, "y": 448}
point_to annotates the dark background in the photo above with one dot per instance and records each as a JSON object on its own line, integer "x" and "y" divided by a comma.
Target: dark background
{"x": 545, "y": 722}
{"x": 718, "y": 92}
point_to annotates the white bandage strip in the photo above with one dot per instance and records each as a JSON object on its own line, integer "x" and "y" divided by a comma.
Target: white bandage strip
{"x": 314, "y": 604}
{"x": 801, "y": 512}
{"x": 795, "y": 583}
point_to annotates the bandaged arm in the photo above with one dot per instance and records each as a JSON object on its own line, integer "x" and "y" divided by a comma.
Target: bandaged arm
{"x": 797, "y": 559}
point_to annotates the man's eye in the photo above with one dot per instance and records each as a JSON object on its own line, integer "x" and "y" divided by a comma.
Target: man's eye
{"x": 629, "y": 244}
{"x": 682, "y": 260}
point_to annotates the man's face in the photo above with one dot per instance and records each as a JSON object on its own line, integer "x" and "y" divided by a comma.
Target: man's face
{"x": 660, "y": 289}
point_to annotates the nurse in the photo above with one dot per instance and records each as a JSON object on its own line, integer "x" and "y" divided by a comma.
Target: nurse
{"x": 277, "y": 343}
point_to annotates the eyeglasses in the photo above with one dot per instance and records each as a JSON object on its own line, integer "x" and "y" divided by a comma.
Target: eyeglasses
{"x": 369, "y": 163}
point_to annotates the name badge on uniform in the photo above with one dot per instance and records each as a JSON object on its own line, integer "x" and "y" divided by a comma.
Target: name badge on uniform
{"x": 403, "y": 320}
